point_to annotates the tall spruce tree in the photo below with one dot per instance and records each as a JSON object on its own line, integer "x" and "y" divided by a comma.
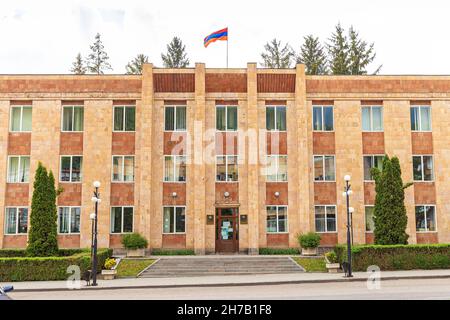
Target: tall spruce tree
{"x": 390, "y": 217}
{"x": 97, "y": 60}
{"x": 78, "y": 66}
{"x": 176, "y": 56}
{"x": 361, "y": 54}
{"x": 42, "y": 240}
{"x": 313, "y": 56}
{"x": 135, "y": 66}
{"x": 338, "y": 55}
{"x": 276, "y": 55}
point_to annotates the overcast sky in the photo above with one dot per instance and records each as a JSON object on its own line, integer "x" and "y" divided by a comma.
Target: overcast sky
{"x": 411, "y": 36}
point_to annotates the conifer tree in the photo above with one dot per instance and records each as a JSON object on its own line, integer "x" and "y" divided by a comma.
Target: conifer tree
{"x": 361, "y": 54}
{"x": 135, "y": 66}
{"x": 276, "y": 55}
{"x": 313, "y": 56}
{"x": 97, "y": 60}
{"x": 176, "y": 56}
{"x": 78, "y": 66}
{"x": 338, "y": 55}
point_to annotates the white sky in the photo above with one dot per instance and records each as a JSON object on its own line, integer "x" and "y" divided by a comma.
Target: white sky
{"x": 411, "y": 37}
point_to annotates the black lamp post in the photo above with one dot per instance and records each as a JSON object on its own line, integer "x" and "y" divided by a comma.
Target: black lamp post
{"x": 347, "y": 193}
{"x": 96, "y": 200}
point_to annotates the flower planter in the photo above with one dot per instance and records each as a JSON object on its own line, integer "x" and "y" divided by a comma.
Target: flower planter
{"x": 333, "y": 267}
{"x": 309, "y": 251}
{"x": 109, "y": 274}
{"x": 134, "y": 253}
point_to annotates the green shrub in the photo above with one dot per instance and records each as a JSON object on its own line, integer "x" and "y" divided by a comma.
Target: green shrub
{"x": 331, "y": 257}
{"x": 109, "y": 263}
{"x": 174, "y": 252}
{"x": 309, "y": 240}
{"x": 22, "y": 252}
{"x": 286, "y": 251}
{"x": 134, "y": 241}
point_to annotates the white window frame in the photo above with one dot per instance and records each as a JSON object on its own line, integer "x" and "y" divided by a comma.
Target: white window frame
{"x": 323, "y": 119}
{"x": 371, "y": 117}
{"x": 277, "y": 166}
{"x": 425, "y": 213}
{"x": 71, "y": 160}
{"x": 323, "y": 166}
{"x": 121, "y": 221}
{"x": 365, "y": 218}
{"x": 226, "y": 117}
{"x": 226, "y": 167}
{"x": 422, "y": 166}
{"x": 173, "y": 167}
{"x": 275, "y": 117}
{"x": 175, "y": 219}
{"x": 326, "y": 206}
{"x": 124, "y": 107}
{"x": 287, "y": 219}
{"x": 420, "y": 106}
{"x": 17, "y": 221}
{"x": 21, "y": 117}
{"x": 20, "y": 162}
{"x": 372, "y": 161}
{"x": 122, "y": 180}
{"x": 70, "y": 220}
{"x": 73, "y": 113}
{"x": 175, "y": 117}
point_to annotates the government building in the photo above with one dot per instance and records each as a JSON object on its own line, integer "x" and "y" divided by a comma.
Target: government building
{"x": 222, "y": 160}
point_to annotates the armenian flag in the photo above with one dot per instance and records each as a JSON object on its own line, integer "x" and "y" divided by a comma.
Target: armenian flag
{"x": 218, "y": 35}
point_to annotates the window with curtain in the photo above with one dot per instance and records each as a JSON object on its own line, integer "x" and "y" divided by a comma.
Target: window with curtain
{"x": 370, "y": 225}
{"x": 174, "y": 219}
{"x": 325, "y": 218}
{"x": 276, "y": 118}
{"x": 73, "y": 118}
{"x": 175, "y": 168}
{"x": 20, "y": 119}
{"x": 227, "y": 168}
{"x": 370, "y": 162}
{"x": 123, "y": 169}
{"x": 69, "y": 220}
{"x": 71, "y": 167}
{"x": 425, "y": 218}
{"x": 276, "y": 168}
{"x": 323, "y": 118}
{"x": 226, "y": 118}
{"x": 122, "y": 219}
{"x": 175, "y": 118}
{"x": 423, "y": 168}
{"x": 372, "y": 118}
{"x": 276, "y": 219}
{"x": 16, "y": 220}
{"x": 18, "y": 169}
{"x": 324, "y": 168}
{"x": 420, "y": 118}
{"x": 124, "y": 118}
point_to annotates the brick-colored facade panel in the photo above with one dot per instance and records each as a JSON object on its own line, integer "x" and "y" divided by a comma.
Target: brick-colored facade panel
{"x": 15, "y": 241}
{"x": 277, "y": 143}
{"x": 174, "y": 241}
{"x": 373, "y": 142}
{"x": 19, "y": 143}
{"x": 278, "y": 240}
{"x": 71, "y": 195}
{"x": 325, "y": 193}
{"x": 227, "y": 143}
{"x": 370, "y": 238}
{"x": 69, "y": 241}
{"x": 427, "y": 238}
{"x": 233, "y": 190}
{"x": 123, "y": 143}
{"x": 122, "y": 194}
{"x": 71, "y": 143}
{"x": 424, "y": 193}
{"x": 422, "y": 142}
{"x": 169, "y": 189}
{"x": 226, "y": 82}
{"x": 17, "y": 194}
{"x": 369, "y": 193}
{"x": 281, "y": 188}
{"x": 323, "y": 143}
{"x": 175, "y": 143}
{"x": 115, "y": 241}
{"x": 274, "y": 83}
{"x": 173, "y": 82}
{"x": 328, "y": 239}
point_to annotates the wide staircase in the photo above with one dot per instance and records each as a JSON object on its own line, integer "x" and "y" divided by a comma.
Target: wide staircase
{"x": 218, "y": 266}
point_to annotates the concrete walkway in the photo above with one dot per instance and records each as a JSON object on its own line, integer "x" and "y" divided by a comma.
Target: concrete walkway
{"x": 231, "y": 280}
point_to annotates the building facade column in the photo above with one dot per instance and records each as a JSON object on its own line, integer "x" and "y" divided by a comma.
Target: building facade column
{"x": 4, "y": 133}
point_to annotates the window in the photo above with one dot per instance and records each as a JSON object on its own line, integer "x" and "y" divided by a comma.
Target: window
{"x": 174, "y": 219}
{"x": 425, "y": 218}
{"x": 73, "y": 118}
{"x": 18, "y": 169}
{"x": 175, "y": 168}
{"x": 372, "y": 162}
{"x": 372, "y": 118}
{"x": 276, "y": 118}
{"x": 423, "y": 168}
{"x": 420, "y": 118}
{"x": 16, "y": 220}
{"x": 20, "y": 119}
{"x": 124, "y": 118}
{"x": 323, "y": 118}
{"x": 227, "y": 168}
{"x": 324, "y": 169}
{"x": 226, "y": 118}
{"x": 325, "y": 218}
{"x": 175, "y": 118}
{"x": 121, "y": 219}
{"x": 277, "y": 219}
{"x": 370, "y": 225}
{"x": 71, "y": 168}
{"x": 276, "y": 170}
{"x": 123, "y": 169}
{"x": 69, "y": 220}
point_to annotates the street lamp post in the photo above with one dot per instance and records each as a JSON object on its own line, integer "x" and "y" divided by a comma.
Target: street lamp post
{"x": 96, "y": 200}
{"x": 347, "y": 193}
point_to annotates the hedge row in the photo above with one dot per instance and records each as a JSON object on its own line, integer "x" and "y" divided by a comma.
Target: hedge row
{"x": 174, "y": 252}
{"x": 397, "y": 257}
{"x": 47, "y": 268}
{"x": 22, "y": 253}
{"x": 286, "y": 251}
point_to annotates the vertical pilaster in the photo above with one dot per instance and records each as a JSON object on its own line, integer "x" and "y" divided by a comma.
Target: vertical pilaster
{"x": 4, "y": 131}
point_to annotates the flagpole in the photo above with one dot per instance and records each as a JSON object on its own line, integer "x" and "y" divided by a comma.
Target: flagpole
{"x": 227, "y": 46}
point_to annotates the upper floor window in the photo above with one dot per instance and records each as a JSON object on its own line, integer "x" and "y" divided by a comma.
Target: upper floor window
{"x": 325, "y": 218}
{"x": 277, "y": 168}
{"x": 370, "y": 225}
{"x": 226, "y": 118}
{"x": 323, "y": 118}
{"x": 175, "y": 118}
{"x": 16, "y": 220}
{"x": 20, "y": 119}
{"x": 124, "y": 118}
{"x": 227, "y": 168}
{"x": 174, "y": 168}
{"x": 121, "y": 219}
{"x": 174, "y": 219}
{"x": 71, "y": 168}
{"x": 372, "y": 162}
{"x": 73, "y": 118}
{"x": 276, "y": 219}
{"x": 123, "y": 169}
{"x": 276, "y": 118}
{"x": 69, "y": 220}
{"x": 420, "y": 118}
{"x": 425, "y": 218}
{"x": 18, "y": 169}
{"x": 324, "y": 168}
{"x": 372, "y": 118}
{"x": 423, "y": 168}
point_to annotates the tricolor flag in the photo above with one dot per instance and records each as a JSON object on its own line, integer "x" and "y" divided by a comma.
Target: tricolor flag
{"x": 218, "y": 35}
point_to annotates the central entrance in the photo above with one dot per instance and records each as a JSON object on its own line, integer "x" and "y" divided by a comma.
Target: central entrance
{"x": 227, "y": 233}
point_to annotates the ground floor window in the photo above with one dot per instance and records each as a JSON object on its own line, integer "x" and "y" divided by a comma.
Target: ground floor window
{"x": 425, "y": 218}
{"x": 370, "y": 226}
{"x": 325, "y": 218}
{"x": 121, "y": 219}
{"x": 16, "y": 220}
{"x": 276, "y": 219}
{"x": 174, "y": 219}
{"x": 69, "y": 220}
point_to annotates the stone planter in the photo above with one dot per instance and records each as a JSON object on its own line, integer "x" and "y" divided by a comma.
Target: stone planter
{"x": 309, "y": 251}
{"x": 135, "y": 253}
{"x": 109, "y": 274}
{"x": 333, "y": 267}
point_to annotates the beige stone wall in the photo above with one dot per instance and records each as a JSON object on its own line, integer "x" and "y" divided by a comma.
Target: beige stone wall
{"x": 4, "y": 129}
{"x": 190, "y": 179}
{"x": 244, "y": 190}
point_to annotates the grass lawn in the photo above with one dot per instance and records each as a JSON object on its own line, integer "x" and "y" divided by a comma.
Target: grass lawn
{"x": 311, "y": 264}
{"x": 132, "y": 267}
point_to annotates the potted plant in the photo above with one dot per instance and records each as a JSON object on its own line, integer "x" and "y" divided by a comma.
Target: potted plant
{"x": 109, "y": 269}
{"x": 135, "y": 244}
{"x": 309, "y": 243}
{"x": 332, "y": 263}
